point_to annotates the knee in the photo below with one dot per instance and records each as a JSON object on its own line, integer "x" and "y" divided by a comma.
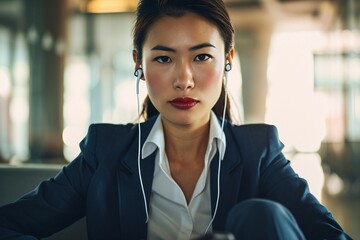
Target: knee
{"x": 253, "y": 208}
{"x": 262, "y": 219}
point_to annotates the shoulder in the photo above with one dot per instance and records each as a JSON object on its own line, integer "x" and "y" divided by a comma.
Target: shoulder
{"x": 102, "y": 137}
{"x": 111, "y": 137}
{"x": 105, "y": 144}
{"x": 252, "y": 128}
{"x": 255, "y": 139}
{"x": 106, "y": 133}
{"x": 109, "y": 131}
{"x": 255, "y": 132}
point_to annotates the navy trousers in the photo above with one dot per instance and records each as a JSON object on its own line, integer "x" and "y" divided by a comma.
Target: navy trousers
{"x": 262, "y": 219}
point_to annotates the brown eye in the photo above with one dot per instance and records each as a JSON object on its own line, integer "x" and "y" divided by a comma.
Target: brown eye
{"x": 202, "y": 57}
{"x": 163, "y": 59}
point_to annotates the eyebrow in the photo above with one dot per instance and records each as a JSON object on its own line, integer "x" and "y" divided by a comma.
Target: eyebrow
{"x": 196, "y": 47}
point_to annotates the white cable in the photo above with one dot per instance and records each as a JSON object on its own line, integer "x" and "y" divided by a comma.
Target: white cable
{"x": 220, "y": 154}
{"x": 139, "y": 154}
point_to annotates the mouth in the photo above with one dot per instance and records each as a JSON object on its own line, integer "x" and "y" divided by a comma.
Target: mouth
{"x": 183, "y": 103}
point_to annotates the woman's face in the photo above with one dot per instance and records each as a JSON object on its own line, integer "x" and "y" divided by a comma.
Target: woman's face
{"x": 183, "y": 62}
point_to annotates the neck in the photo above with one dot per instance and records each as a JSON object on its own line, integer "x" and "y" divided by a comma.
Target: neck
{"x": 186, "y": 144}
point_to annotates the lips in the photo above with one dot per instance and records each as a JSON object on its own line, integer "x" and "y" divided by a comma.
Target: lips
{"x": 184, "y": 103}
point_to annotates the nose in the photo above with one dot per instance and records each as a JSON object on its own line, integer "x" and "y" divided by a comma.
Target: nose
{"x": 184, "y": 78}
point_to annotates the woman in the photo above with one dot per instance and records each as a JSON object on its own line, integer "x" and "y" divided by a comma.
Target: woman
{"x": 191, "y": 173}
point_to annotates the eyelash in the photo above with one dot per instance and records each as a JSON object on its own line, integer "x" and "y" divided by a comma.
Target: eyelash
{"x": 160, "y": 59}
{"x": 207, "y": 57}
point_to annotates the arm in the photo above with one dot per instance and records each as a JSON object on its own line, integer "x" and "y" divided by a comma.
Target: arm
{"x": 9, "y": 234}
{"x": 55, "y": 203}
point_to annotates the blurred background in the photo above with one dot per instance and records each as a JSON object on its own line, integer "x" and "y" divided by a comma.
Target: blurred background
{"x": 65, "y": 64}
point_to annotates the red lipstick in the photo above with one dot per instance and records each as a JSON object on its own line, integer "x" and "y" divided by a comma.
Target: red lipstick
{"x": 184, "y": 103}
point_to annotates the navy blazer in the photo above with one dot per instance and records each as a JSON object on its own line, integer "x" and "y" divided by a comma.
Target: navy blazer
{"x": 102, "y": 183}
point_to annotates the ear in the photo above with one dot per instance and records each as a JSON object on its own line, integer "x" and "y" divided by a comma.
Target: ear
{"x": 230, "y": 56}
{"x": 136, "y": 61}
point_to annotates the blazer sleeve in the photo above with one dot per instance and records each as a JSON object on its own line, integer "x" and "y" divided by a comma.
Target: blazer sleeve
{"x": 280, "y": 183}
{"x": 55, "y": 203}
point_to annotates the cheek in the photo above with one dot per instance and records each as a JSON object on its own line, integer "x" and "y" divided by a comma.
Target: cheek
{"x": 211, "y": 78}
{"x": 155, "y": 81}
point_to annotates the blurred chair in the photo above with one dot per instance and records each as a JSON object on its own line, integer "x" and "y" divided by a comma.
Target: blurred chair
{"x": 17, "y": 180}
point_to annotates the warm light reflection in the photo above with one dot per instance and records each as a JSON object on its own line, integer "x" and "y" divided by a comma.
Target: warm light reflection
{"x": 349, "y": 39}
{"x": 125, "y": 100}
{"x": 5, "y": 131}
{"x": 308, "y": 166}
{"x": 334, "y": 184}
{"x": 76, "y": 106}
{"x": 356, "y": 106}
{"x": 335, "y": 121}
{"x": 292, "y": 104}
{"x": 21, "y": 72}
{"x": 5, "y": 85}
{"x": 19, "y": 110}
{"x": 72, "y": 135}
{"x": 19, "y": 105}
{"x": 109, "y": 6}
{"x": 337, "y": 80}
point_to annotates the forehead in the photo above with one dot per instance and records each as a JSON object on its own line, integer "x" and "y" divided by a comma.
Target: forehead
{"x": 187, "y": 29}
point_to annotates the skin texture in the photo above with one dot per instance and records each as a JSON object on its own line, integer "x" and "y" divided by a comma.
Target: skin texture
{"x": 183, "y": 57}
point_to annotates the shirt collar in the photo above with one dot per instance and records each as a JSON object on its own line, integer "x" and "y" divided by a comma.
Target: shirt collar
{"x": 217, "y": 134}
{"x": 156, "y": 140}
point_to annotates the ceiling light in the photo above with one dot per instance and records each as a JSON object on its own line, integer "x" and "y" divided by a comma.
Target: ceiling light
{"x": 109, "y": 6}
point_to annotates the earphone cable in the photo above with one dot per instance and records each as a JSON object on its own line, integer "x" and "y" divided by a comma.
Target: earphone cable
{"x": 220, "y": 156}
{"x": 139, "y": 158}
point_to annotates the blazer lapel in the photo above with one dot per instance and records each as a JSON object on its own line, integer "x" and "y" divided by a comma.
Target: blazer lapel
{"x": 230, "y": 175}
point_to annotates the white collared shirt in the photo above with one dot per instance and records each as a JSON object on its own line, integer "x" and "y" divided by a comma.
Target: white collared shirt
{"x": 170, "y": 217}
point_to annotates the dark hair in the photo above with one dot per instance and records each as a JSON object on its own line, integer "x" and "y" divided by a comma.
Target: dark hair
{"x": 149, "y": 11}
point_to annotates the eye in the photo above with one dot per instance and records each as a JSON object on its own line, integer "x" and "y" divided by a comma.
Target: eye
{"x": 163, "y": 59}
{"x": 202, "y": 57}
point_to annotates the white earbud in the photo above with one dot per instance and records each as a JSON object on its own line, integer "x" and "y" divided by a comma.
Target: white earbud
{"x": 227, "y": 67}
{"x": 227, "y": 70}
{"x": 138, "y": 74}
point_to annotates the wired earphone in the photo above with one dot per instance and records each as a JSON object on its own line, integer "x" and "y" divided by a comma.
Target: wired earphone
{"x": 138, "y": 74}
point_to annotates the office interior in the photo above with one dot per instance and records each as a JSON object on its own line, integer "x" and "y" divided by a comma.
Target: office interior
{"x": 66, "y": 64}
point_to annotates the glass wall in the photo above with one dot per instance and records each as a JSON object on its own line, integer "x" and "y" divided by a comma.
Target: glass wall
{"x": 99, "y": 85}
{"x": 13, "y": 94}
{"x": 314, "y": 93}
{"x": 5, "y": 91}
